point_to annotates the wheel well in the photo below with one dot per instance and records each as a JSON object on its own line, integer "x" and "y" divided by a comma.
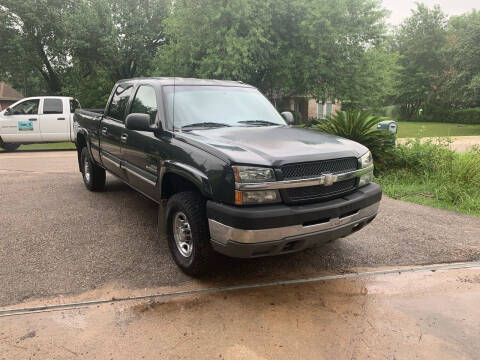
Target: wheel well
{"x": 173, "y": 184}
{"x": 80, "y": 143}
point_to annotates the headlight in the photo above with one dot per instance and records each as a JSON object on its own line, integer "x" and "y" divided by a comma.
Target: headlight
{"x": 249, "y": 174}
{"x": 256, "y": 197}
{"x": 252, "y": 174}
{"x": 366, "y": 161}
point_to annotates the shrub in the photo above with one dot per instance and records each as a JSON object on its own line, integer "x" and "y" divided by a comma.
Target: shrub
{"x": 466, "y": 116}
{"x": 421, "y": 157}
{"x": 446, "y": 176}
{"x": 360, "y": 127}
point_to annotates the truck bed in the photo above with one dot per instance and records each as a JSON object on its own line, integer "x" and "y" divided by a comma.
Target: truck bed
{"x": 91, "y": 112}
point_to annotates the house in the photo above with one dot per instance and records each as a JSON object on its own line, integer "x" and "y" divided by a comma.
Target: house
{"x": 312, "y": 109}
{"x": 8, "y": 96}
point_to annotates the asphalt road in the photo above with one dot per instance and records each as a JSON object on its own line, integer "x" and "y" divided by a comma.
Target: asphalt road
{"x": 57, "y": 238}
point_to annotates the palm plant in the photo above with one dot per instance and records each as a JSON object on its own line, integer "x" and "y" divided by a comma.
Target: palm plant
{"x": 360, "y": 126}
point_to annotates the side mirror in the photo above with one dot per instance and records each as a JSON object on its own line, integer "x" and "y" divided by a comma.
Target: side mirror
{"x": 288, "y": 116}
{"x": 139, "y": 122}
{"x": 8, "y": 111}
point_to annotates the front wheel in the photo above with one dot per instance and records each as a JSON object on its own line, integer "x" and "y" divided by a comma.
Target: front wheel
{"x": 9, "y": 147}
{"x": 187, "y": 233}
{"x": 93, "y": 175}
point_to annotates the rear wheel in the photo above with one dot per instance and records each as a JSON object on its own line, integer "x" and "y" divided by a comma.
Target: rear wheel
{"x": 93, "y": 175}
{"x": 187, "y": 233}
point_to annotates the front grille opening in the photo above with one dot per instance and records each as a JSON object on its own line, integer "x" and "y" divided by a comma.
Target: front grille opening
{"x": 263, "y": 252}
{"x": 320, "y": 192}
{"x": 290, "y": 246}
{"x": 358, "y": 227}
{"x": 316, "y": 222}
{"x": 347, "y": 214}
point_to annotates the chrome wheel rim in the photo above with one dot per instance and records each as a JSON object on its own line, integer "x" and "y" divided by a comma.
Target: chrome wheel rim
{"x": 182, "y": 234}
{"x": 87, "y": 170}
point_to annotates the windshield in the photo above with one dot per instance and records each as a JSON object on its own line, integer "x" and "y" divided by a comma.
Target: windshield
{"x": 219, "y": 106}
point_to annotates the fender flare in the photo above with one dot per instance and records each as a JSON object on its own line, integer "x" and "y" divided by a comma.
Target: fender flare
{"x": 190, "y": 173}
{"x": 83, "y": 133}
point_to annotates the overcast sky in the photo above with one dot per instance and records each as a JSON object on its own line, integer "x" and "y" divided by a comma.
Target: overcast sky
{"x": 401, "y": 8}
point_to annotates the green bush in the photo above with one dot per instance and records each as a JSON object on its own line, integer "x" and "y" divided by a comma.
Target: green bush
{"x": 421, "y": 157}
{"x": 431, "y": 170}
{"x": 466, "y": 116}
{"x": 360, "y": 127}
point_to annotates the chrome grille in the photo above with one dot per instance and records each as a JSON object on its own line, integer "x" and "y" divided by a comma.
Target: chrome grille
{"x": 317, "y": 168}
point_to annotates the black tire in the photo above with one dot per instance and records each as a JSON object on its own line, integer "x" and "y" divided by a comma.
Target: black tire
{"x": 9, "y": 147}
{"x": 202, "y": 256}
{"x": 93, "y": 175}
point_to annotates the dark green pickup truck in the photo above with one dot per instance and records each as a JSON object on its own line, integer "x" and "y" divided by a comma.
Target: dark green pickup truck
{"x": 236, "y": 178}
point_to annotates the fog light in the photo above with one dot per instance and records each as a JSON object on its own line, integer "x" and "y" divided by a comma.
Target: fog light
{"x": 256, "y": 197}
{"x": 365, "y": 179}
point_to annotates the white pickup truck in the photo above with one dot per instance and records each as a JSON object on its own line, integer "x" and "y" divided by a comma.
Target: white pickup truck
{"x": 37, "y": 120}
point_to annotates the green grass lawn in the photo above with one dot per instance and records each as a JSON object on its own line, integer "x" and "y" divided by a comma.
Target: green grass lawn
{"x": 52, "y": 146}
{"x": 408, "y": 187}
{"x": 431, "y": 129}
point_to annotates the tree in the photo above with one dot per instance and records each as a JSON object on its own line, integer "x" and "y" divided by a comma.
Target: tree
{"x": 118, "y": 36}
{"x": 336, "y": 36}
{"x": 111, "y": 40}
{"x": 420, "y": 41}
{"x": 463, "y": 50}
{"x": 34, "y": 36}
{"x": 78, "y": 47}
{"x": 374, "y": 80}
{"x": 298, "y": 47}
{"x": 220, "y": 39}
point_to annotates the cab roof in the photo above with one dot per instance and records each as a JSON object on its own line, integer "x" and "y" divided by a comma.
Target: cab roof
{"x": 166, "y": 81}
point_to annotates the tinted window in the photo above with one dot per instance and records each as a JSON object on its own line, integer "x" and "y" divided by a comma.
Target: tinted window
{"x": 74, "y": 105}
{"x": 52, "y": 106}
{"x": 29, "y": 107}
{"x": 119, "y": 102}
{"x": 145, "y": 102}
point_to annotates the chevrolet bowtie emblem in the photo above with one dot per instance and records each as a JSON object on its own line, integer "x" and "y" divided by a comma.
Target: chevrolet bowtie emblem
{"x": 329, "y": 179}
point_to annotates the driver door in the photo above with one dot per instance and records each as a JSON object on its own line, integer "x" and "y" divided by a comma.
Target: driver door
{"x": 20, "y": 124}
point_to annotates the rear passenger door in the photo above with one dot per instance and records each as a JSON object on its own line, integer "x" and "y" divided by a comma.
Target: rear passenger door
{"x": 54, "y": 124}
{"x": 111, "y": 129}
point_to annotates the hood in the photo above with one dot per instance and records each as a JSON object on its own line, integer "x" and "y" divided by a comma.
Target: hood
{"x": 273, "y": 145}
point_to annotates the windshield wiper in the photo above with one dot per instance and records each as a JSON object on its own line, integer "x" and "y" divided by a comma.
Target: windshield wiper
{"x": 205, "y": 124}
{"x": 258, "y": 122}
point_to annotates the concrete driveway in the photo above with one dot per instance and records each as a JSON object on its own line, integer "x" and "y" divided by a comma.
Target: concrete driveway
{"x": 61, "y": 243}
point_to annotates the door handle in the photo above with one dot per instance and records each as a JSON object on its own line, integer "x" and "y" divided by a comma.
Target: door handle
{"x": 104, "y": 131}
{"x": 124, "y": 138}
{"x": 32, "y": 119}
{"x": 61, "y": 118}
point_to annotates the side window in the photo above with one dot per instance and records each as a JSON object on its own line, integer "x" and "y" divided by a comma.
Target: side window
{"x": 52, "y": 106}
{"x": 74, "y": 105}
{"x": 27, "y": 107}
{"x": 119, "y": 102}
{"x": 145, "y": 102}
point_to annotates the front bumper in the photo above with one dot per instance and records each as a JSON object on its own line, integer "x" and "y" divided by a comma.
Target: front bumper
{"x": 278, "y": 229}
